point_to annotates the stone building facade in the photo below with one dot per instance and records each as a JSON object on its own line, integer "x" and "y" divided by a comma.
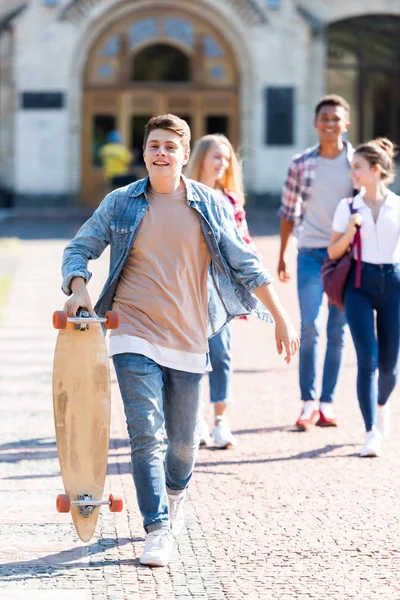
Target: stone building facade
{"x": 71, "y": 70}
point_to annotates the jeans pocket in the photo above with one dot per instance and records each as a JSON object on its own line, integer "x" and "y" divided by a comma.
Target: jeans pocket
{"x": 130, "y": 361}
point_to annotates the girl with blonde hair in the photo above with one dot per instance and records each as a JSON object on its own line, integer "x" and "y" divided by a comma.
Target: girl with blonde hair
{"x": 214, "y": 163}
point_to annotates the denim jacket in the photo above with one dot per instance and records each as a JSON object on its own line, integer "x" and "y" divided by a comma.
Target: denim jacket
{"x": 234, "y": 271}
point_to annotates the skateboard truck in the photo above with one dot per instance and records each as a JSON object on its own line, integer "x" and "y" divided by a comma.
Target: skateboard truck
{"x": 83, "y": 318}
{"x": 85, "y": 509}
{"x": 82, "y": 313}
{"x": 86, "y": 504}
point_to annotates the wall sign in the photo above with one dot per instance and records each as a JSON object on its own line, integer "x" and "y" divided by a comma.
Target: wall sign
{"x": 279, "y": 107}
{"x": 42, "y": 100}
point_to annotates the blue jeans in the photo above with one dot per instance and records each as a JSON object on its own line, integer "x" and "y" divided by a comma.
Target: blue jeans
{"x": 310, "y": 293}
{"x": 221, "y": 375}
{"x": 379, "y": 295}
{"x": 154, "y": 397}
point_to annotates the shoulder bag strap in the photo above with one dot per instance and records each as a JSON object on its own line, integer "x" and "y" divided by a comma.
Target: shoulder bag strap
{"x": 356, "y": 242}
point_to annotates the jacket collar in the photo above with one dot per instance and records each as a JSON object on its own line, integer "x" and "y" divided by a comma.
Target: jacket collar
{"x": 139, "y": 187}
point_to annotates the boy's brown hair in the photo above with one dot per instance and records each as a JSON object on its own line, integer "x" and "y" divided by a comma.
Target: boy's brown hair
{"x": 169, "y": 122}
{"x": 332, "y": 100}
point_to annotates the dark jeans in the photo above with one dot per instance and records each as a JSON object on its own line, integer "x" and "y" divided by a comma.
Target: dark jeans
{"x": 377, "y": 344}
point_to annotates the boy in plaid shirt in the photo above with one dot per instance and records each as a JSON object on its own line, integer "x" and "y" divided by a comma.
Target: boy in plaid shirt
{"x": 317, "y": 180}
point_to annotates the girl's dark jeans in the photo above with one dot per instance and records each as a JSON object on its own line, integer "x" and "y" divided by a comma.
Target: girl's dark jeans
{"x": 373, "y": 315}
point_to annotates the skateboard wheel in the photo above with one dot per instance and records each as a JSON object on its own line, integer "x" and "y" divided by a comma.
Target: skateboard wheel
{"x": 112, "y": 317}
{"x": 116, "y": 503}
{"x": 63, "y": 503}
{"x": 60, "y": 319}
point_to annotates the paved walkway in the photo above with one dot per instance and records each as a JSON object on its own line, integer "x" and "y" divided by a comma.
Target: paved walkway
{"x": 285, "y": 515}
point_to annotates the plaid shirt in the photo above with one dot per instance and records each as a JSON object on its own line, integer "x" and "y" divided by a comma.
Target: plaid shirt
{"x": 297, "y": 189}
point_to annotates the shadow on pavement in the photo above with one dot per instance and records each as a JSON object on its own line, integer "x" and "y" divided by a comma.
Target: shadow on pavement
{"x": 15, "y": 457}
{"x": 317, "y": 453}
{"x": 43, "y": 449}
{"x": 33, "y": 449}
{"x": 50, "y": 442}
{"x": 66, "y": 560}
{"x": 261, "y": 430}
{"x": 32, "y": 443}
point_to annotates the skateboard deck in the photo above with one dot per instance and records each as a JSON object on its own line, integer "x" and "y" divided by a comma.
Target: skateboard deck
{"x": 82, "y": 408}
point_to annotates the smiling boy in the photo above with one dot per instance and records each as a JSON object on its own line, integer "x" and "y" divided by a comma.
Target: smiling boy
{"x": 179, "y": 271}
{"x": 318, "y": 179}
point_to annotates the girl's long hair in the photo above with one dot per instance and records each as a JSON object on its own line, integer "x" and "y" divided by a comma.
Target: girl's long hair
{"x": 232, "y": 180}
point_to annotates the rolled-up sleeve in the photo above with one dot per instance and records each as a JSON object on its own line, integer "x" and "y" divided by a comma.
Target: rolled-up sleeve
{"x": 88, "y": 244}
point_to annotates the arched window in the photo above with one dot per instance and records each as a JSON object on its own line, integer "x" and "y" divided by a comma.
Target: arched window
{"x": 161, "y": 62}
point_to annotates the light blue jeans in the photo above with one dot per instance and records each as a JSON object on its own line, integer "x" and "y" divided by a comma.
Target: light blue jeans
{"x": 221, "y": 375}
{"x": 310, "y": 293}
{"x": 156, "y": 397}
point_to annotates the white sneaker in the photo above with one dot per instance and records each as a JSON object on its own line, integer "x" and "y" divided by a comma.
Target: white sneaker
{"x": 372, "y": 444}
{"x": 205, "y": 437}
{"x": 176, "y": 512}
{"x": 223, "y": 437}
{"x": 383, "y": 419}
{"x": 158, "y": 548}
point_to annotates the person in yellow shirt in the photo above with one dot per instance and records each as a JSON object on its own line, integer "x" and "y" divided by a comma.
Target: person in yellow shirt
{"x": 116, "y": 160}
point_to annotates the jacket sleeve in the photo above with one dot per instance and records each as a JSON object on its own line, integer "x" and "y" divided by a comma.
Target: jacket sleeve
{"x": 88, "y": 244}
{"x": 245, "y": 266}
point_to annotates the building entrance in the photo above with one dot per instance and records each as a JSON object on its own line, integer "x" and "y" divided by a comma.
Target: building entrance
{"x": 364, "y": 68}
{"x": 148, "y": 66}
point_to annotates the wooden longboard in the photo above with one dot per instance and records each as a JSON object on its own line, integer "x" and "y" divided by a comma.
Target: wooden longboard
{"x": 82, "y": 406}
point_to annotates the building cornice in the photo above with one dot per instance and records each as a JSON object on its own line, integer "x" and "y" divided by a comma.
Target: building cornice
{"x": 7, "y": 18}
{"x": 318, "y": 27}
{"x": 76, "y": 11}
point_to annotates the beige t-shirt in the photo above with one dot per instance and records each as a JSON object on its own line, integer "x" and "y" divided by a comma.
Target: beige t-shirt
{"x": 162, "y": 293}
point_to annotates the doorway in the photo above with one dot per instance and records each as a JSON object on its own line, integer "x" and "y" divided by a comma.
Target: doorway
{"x": 149, "y": 65}
{"x": 364, "y": 68}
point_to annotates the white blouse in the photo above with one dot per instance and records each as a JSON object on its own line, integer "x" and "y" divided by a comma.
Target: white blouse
{"x": 380, "y": 241}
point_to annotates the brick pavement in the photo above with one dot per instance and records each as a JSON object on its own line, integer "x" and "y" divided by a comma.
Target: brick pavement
{"x": 284, "y": 516}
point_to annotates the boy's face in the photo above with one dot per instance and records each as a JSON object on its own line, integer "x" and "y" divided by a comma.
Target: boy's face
{"x": 331, "y": 123}
{"x": 164, "y": 154}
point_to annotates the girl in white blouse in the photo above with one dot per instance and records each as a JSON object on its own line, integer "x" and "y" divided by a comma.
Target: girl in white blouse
{"x": 373, "y": 310}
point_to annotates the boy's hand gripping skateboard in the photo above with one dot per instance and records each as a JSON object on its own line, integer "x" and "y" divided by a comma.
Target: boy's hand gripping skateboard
{"x": 82, "y": 406}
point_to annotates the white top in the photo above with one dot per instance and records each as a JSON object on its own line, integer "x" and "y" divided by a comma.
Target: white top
{"x": 380, "y": 241}
{"x": 166, "y": 357}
